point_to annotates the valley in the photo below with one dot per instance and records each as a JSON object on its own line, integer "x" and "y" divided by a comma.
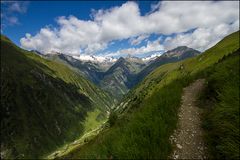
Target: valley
{"x": 120, "y": 80}
{"x": 118, "y": 77}
{"x": 142, "y": 109}
{"x": 92, "y": 128}
{"x": 65, "y": 76}
{"x": 50, "y": 90}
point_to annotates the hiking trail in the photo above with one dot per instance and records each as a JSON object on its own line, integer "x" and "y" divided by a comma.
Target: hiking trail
{"x": 187, "y": 139}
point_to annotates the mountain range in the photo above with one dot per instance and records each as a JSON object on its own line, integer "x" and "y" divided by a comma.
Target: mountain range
{"x": 147, "y": 116}
{"x": 118, "y": 77}
{"x": 50, "y": 101}
{"x": 38, "y": 89}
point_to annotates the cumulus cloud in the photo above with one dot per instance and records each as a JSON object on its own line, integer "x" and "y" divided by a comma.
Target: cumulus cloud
{"x": 201, "y": 38}
{"x": 72, "y": 37}
{"x": 155, "y": 6}
{"x": 153, "y": 46}
{"x": 76, "y": 36}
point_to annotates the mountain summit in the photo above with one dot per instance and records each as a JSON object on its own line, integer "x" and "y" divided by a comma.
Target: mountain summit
{"x": 174, "y": 55}
{"x": 181, "y": 52}
{"x": 117, "y": 77}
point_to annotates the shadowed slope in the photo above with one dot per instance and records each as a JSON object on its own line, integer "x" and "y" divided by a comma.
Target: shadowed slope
{"x": 43, "y": 103}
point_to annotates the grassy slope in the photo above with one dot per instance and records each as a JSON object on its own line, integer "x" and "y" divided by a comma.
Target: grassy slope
{"x": 164, "y": 59}
{"x": 149, "y": 111}
{"x": 43, "y": 103}
{"x": 221, "y": 103}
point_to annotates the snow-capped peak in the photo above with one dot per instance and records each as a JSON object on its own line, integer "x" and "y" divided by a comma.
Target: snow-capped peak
{"x": 100, "y": 59}
{"x": 152, "y": 57}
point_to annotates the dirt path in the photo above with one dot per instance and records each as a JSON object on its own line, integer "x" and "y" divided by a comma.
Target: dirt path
{"x": 188, "y": 137}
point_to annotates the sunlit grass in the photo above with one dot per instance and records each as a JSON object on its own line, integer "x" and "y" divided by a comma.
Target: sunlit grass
{"x": 149, "y": 115}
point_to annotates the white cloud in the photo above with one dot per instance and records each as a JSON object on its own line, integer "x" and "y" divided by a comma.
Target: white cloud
{"x": 152, "y": 57}
{"x": 74, "y": 36}
{"x": 150, "y": 47}
{"x": 137, "y": 40}
{"x": 91, "y": 48}
{"x": 202, "y": 38}
{"x": 155, "y": 6}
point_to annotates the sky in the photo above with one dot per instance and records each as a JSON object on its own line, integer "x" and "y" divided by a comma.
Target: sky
{"x": 117, "y": 28}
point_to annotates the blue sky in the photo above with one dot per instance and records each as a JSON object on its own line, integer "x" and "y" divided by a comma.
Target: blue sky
{"x": 42, "y": 13}
{"x": 116, "y": 28}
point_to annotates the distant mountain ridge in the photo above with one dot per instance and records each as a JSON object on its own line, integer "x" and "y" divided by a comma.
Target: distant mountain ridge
{"x": 117, "y": 77}
{"x": 112, "y": 77}
{"x": 93, "y": 71}
{"x": 181, "y": 52}
{"x": 174, "y": 55}
{"x": 147, "y": 116}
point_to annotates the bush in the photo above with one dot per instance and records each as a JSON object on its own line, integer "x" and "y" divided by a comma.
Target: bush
{"x": 112, "y": 118}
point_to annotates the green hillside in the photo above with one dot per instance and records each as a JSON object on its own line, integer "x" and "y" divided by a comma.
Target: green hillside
{"x": 174, "y": 55}
{"x": 148, "y": 114}
{"x": 115, "y": 79}
{"x": 221, "y": 103}
{"x": 125, "y": 73}
{"x": 44, "y": 104}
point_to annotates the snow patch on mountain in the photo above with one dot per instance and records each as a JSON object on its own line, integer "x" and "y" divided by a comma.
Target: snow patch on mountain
{"x": 152, "y": 57}
{"x": 92, "y": 58}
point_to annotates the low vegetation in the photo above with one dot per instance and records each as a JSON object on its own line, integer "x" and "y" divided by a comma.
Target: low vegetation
{"x": 44, "y": 104}
{"x": 140, "y": 126}
{"x": 221, "y": 103}
{"x": 148, "y": 115}
{"x": 112, "y": 118}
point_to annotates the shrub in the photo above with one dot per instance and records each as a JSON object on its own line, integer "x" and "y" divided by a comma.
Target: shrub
{"x": 112, "y": 118}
